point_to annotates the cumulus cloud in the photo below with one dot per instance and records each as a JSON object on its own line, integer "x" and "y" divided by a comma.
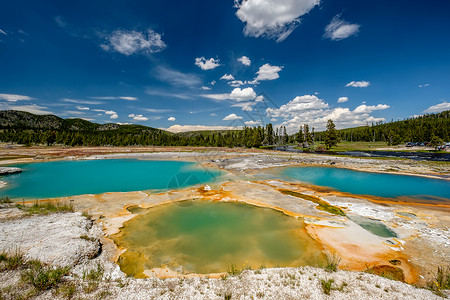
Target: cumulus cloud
{"x": 438, "y": 108}
{"x": 339, "y": 29}
{"x": 137, "y": 117}
{"x": 14, "y": 98}
{"x": 342, "y": 99}
{"x": 112, "y": 114}
{"x": 309, "y": 109}
{"x": 205, "y": 88}
{"x": 298, "y": 104}
{"x": 368, "y": 109}
{"x": 243, "y": 94}
{"x": 232, "y": 117}
{"x": 268, "y": 72}
{"x": 245, "y": 60}
{"x": 360, "y": 84}
{"x": 237, "y": 94}
{"x": 82, "y": 108}
{"x": 227, "y": 77}
{"x": 134, "y": 42}
{"x": 172, "y": 119}
{"x": 273, "y": 19}
{"x": 207, "y": 64}
{"x": 185, "y": 128}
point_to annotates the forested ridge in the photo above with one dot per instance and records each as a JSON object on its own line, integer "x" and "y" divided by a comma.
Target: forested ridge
{"x": 26, "y": 128}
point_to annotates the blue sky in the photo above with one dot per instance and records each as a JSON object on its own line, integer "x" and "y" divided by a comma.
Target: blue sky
{"x": 186, "y": 65}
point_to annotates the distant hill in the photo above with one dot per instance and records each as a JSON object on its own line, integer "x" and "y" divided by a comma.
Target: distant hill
{"x": 13, "y": 119}
{"x": 417, "y": 129}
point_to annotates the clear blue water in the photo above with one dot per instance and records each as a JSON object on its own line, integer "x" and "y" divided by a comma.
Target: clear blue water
{"x": 365, "y": 183}
{"x": 69, "y": 178}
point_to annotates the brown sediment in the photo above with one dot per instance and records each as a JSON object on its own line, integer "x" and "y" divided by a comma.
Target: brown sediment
{"x": 402, "y": 200}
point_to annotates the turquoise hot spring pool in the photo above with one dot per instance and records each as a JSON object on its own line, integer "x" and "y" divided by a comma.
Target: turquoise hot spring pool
{"x": 77, "y": 177}
{"x": 366, "y": 183}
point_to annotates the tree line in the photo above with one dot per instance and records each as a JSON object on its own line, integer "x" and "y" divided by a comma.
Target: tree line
{"x": 419, "y": 129}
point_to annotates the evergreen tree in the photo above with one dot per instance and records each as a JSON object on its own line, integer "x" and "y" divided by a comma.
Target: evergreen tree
{"x": 331, "y": 135}
{"x": 307, "y": 136}
{"x": 299, "y": 138}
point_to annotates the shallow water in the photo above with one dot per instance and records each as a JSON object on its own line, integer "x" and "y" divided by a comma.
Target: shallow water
{"x": 69, "y": 178}
{"x": 375, "y": 226}
{"x": 366, "y": 183}
{"x": 204, "y": 237}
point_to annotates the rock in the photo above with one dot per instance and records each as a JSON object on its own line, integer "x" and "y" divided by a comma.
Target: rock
{"x": 58, "y": 239}
{"x": 9, "y": 170}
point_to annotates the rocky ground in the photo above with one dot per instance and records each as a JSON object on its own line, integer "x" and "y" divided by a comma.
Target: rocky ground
{"x": 57, "y": 239}
{"x": 74, "y": 240}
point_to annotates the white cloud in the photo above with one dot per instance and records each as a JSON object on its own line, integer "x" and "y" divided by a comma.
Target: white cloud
{"x": 237, "y": 94}
{"x": 31, "y": 108}
{"x": 309, "y": 109}
{"x": 14, "y": 98}
{"x": 82, "y": 108}
{"x": 216, "y": 96}
{"x": 134, "y": 42}
{"x": 232, "y": 117}
{"x": 172, "y": 119}
{"x": 176, "y": 78}
{"x": 184, "y": 128}
{"x": 360, "y": 84}
{"x": 424, "y": 85}
{"x": 252, "y": 123}
{"x": 268, "y": 72}
{"x": 368, "y": 109}
{"x": 245, "y": 60}
{"x": 213, "y": 82}
{"x": 138, "y": 117}
{"x": 227, "y": 77}
{"x": 438, "y": 107}
{"x": 245, "y": 106}
{"x": 298, "y": 104}
{"x": 2, "y": 32}
{"x": 237, "y": 83}
{"x": 81, "y": 101}
{"x": 156, "y": 110}
{"x": 205, "y": 88}
{"x": 339, "y": 29}
{"x": 128, "y": 98}
{"x": 112, "y": 114}
{"x": 243, "y": 95}
{"x": 207, "y": 64}
{"x": 342, "y": 99}
{"x": 273, "y": 19}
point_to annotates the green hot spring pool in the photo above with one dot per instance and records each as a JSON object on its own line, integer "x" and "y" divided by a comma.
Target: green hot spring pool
{"x": 77, "y": 177}
{"x": 201, "y": 236}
